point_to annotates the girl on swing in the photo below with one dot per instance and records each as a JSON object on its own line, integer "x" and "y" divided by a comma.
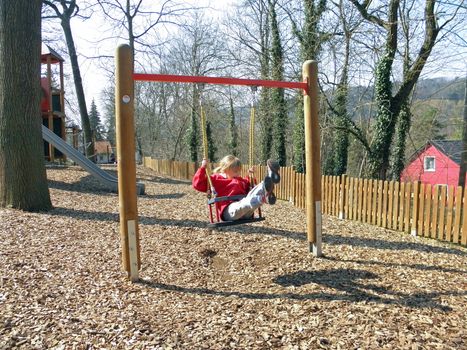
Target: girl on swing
{"x": 226, "y": 181}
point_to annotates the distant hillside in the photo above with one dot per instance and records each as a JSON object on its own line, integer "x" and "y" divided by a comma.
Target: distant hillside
{"x": 360, "y": 102}
{"x": 427, "y": 89}
{"x": 440, "y": 89}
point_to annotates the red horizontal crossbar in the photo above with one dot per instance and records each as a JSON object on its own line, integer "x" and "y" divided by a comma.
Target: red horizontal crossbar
{"x": 219, "y": 80}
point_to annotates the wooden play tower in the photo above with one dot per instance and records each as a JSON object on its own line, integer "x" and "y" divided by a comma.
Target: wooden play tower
{"x": 53, "y": 101}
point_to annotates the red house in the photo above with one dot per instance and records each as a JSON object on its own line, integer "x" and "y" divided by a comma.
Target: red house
{"x": 436, "y": 163}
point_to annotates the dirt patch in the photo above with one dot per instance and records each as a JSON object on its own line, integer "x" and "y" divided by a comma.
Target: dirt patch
{"x": 244, "y": 287}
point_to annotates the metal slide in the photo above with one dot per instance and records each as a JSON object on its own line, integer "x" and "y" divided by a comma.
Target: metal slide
{"x": 103, "y": 176}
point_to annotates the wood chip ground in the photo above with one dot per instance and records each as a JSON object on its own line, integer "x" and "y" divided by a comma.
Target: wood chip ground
{"x": 243, "y": 287}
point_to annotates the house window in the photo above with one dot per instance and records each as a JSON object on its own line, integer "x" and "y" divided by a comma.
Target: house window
{"x": 429, "y": 164}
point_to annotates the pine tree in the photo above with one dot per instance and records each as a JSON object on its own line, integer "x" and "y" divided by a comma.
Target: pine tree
{"x": 109, "y": 114}
{"x": 95, "y": 120}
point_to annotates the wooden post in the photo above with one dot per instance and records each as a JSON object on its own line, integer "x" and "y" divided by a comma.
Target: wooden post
{"x": 416, "y": 201}
{"x": 125, "y": 132}
{"x": 312, "y": 154}
{"x": 457, "y": 221}
{"x": 343, "y": 196}
{"x": 464, "y": 220}
{"x": 50, "y": 115}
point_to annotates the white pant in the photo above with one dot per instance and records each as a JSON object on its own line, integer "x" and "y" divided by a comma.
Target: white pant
{"x": 245, "y": 207}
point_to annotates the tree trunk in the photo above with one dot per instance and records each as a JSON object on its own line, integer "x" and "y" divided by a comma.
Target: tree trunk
{"x": 85, "y": 123}
{"x": 278, "y": 104}
{"x": 341, "y": 135}
{"x": 310, "y": 46}
{"x": 233, "y": 142}
{"x": 194, "y": 132}
{"x": 390, "y": 106}
{"x": 463, "y": 167}
{"x": 403, "y": 128}
{"x": 23, "y": 180}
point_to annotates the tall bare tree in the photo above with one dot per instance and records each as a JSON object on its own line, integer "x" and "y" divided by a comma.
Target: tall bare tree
{"x": 463, "y": 167}
{"x": 136, "y": 21}
{"x": 250, "y": 38}
{"x": 65, "y": 10}
{"x": 199, "y": 52}
{"x": 23, "y": 182}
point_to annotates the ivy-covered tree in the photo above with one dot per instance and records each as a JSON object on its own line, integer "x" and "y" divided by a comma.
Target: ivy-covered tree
{"x": 310, "y": 41}
{"x": 278, "y": 104}
{"x": 233, "y": 141}
{"x": 212, "y": 149}
{"x": 265, "y": 118}
{"x": 402, "y": 130}
{"x": 193, "y": 131}
{"x": 389, "y": 105}
{"x": 341, "y": 134}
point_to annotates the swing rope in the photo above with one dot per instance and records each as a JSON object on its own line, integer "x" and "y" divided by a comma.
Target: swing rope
{"x": 252, "y": 140}
{"x": 205, "y": 148}
{"x": 252, "y": 129}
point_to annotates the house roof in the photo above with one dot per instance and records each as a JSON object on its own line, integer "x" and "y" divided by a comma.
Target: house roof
{"x": 451, "y": 148}
{"x": 102, "y": 147}
{"x": 47, "y": 51}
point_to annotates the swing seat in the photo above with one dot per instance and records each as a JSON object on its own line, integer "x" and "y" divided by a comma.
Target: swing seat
{"x": 226, "y": 198}
{"x": 231, "y": 222}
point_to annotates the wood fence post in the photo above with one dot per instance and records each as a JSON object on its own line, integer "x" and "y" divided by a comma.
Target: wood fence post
{"x": 293, "y": 194}
{"x": 342, "y": 196}
{"x": 464, "y": 220}
{"x": 415, "y": 207}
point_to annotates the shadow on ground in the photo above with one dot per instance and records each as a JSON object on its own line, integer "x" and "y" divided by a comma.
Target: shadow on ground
{"x": 163, "y": 180}
{"x": 331, "y": 239}
{"x": 348, "y": 284}
{"x": 86, "y": 185}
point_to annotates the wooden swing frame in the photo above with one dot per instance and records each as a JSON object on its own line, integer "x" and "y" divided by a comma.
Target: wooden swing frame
{"x": 125, "y": 78}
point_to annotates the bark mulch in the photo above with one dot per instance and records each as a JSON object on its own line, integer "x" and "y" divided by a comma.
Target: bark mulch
{"x": 242, "y": 287}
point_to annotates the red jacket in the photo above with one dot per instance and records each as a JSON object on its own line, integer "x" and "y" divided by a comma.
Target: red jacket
{"x": 222, "y": 185}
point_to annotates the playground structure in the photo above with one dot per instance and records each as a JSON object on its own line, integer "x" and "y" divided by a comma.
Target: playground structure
{"x": 54, "y": 129}
{"x": 125, "y": 129}
{"x": 53, "y": 102}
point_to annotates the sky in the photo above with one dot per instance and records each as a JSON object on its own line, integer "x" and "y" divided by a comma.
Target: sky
{"x": 88, "y": 36}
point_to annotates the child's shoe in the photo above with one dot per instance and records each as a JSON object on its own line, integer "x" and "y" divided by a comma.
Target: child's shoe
{"x": 268, "y": 185}
{"x": 273, "y": 171}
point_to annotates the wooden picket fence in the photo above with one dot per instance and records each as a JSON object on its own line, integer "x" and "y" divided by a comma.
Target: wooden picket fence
{"x": 420, "y": 209}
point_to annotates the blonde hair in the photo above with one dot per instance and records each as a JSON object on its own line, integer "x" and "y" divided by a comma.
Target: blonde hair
{"x": 228, "y": 162}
